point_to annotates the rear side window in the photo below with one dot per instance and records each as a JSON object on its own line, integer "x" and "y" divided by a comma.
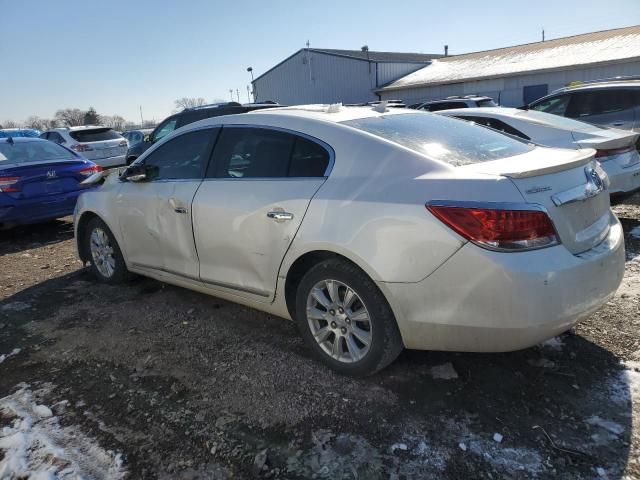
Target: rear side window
{"x": 94, "y": 135}
{"x": 598, "y": 102}
{"x": 251, "y": 152}
{"x": 441, "y": 138}
{"x": 556, "y": 105}
{"x": 26, "y": 152}
{"x": 495, "y": 124}
{"x": 487, "y": 102}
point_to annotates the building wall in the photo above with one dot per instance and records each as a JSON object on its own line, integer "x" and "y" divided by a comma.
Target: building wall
{"x": 311, "y": 77}
{"x": 509, "y": 90}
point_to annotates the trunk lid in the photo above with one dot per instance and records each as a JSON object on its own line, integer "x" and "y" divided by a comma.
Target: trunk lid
{"x": 570, "y": 184}
{"x": 46, "y": 179}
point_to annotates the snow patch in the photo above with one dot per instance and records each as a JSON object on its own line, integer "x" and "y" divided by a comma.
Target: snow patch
{"x": 497, "y": 437}
{"x": 13, "y": 352}
{"x": 15, "y": 306}
{"x": 34, "y": 445}
{"x": 553, "y": 343}
{"x": 635, "y": 232}
{"x": 399, "y": 446}
{"x": 444, "y": 372}
{"x": 624, "y": 386}
{"x": 608, "y": 425}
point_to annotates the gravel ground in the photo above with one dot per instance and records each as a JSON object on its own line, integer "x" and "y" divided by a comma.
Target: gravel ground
{"x": 162, "y": 382}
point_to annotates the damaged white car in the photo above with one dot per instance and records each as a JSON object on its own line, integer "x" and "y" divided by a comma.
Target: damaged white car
{"x": 374, "y": 229}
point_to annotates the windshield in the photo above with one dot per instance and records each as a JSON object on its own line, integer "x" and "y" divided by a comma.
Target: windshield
{"x": 441, "y": 138}
{"x": 556, "y": 121}
{"x": 35, "y": 151}
{"x": 19, "y": 133}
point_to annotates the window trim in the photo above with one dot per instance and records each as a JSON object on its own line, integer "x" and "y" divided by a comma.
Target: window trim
{"x": 329, "y": 149}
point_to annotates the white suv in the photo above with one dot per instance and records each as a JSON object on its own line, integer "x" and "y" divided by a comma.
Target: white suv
{"x": 101, "y": 145}
{"x": 468, "y": 101}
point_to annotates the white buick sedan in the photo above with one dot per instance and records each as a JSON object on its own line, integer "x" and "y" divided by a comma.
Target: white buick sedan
{"x": 374, "y": 229}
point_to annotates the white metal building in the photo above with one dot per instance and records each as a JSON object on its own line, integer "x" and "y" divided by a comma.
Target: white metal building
{"x": 517, "y": 75}
{"x": 314, "y": 75}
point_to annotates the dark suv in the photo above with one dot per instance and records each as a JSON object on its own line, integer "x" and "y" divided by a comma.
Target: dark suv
{"x": 190, "y": 115}
{"x": 607, "y": 103}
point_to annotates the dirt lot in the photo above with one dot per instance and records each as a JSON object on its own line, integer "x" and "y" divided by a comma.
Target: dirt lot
{"x": 151, "y": 381}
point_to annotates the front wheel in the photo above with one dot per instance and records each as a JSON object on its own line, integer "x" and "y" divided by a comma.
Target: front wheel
{"x": 105, "y": 257}
{"x": 346, "y": 320}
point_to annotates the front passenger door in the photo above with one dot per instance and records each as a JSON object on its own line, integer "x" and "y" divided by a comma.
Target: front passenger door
{"x": 155, "y": 215}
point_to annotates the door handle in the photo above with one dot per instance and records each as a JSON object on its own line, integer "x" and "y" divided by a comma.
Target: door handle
{"x": 617, "y": 124}
{"x": 180, "y": 210}
{"x": 280, "y": 216}
{"x": 176, "y": 207}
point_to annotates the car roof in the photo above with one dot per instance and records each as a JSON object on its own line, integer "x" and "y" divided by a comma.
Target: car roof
{"x": 329, "y": 113}
{"x": 496, "y": 111}
{"x": 600, "y": 85}
{"x": 459, "y": 99}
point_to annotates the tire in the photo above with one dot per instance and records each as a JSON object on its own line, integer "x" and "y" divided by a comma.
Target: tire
{"x": 341, "y": 317}
{"x": 116, "y": 270}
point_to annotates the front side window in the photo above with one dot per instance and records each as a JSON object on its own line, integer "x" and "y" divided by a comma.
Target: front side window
{"x": 556, "y": 105}
{"x": 436, "y": 107}
{"x": 441, "y": 138}
{"x": 253, "y": 152}
{"x": 165, "y": 129}
{"x": 183, "y": 157}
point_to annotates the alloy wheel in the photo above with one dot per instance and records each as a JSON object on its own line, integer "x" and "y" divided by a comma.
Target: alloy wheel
{"x": 102, "y": 252}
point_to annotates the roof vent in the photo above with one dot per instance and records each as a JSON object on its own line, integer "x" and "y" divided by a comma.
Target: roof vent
{"x": 381, "y": 107}
{"x": 334, "y": 108}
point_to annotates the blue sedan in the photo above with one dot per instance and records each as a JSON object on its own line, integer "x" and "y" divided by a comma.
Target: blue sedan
{"x": 39, "y": 180}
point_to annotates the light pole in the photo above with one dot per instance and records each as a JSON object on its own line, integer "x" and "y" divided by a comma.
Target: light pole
{"x": 250, "y": 70}
{"x": 231, "y": 93}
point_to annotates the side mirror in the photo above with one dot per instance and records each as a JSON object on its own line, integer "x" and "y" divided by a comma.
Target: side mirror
{"x": 140, "y": 173}
{"x": 147, "y": 138}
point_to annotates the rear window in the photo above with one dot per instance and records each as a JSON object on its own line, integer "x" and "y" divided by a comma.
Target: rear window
{"x": 487, "y": 102}
{"x": 26, "y": 152}
{"x": 94, "y": 135}
{"x": 441, "y": 138}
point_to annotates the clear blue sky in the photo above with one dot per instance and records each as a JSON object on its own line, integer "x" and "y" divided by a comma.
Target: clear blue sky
{"x": 116, "y": 55}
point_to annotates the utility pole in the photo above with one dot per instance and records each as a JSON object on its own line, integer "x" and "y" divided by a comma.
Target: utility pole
{"x": 231, "y": 93}
{"x": 543, "y": 34}
{"x": 141, "y": 120}
{"x": 238, "y": 94}
{"x": 248, "y": 94}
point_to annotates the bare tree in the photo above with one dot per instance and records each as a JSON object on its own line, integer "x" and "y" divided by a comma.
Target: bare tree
{"x": 10, "y": 124}
{"x": 115, "y": 121}
{"x": 36, "y": 122}
{"x": 189, "y": 102}
{"x": 91, "y": 117}
{"x": 70, "y": 117}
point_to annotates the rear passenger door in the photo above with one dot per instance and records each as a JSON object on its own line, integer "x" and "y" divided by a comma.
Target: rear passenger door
{"x": 250, "y": 205}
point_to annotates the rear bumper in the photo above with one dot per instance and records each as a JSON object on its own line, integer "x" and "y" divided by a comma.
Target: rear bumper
{"x": 485, "y": 301}
{"x": 111, "y": 161}
{"x": 623, "y": 180}
{"x": 23, "y": 212}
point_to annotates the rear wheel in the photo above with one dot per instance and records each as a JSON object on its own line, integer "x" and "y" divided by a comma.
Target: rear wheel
{"x": 105, "y": 257}
{"x": 346, "y": 320}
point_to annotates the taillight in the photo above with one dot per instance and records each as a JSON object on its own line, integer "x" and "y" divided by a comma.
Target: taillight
{"x": 88, "y": 171}
{"x": 123, "y": 143}
{"x": 9, "y": 184}
{"x": 497, "y": 228}
{"x": 81, "y": 147}
{"x": 613, "y": 151}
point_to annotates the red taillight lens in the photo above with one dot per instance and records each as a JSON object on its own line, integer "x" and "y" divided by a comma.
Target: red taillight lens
{"x": 88, "y": 171}
{"x": 80, "y": 147}
{"x": 499, "y": 229}
{"x": 614, "y": 151}
{"x": 123, "y": 143}
{"x": 9, "y": 184}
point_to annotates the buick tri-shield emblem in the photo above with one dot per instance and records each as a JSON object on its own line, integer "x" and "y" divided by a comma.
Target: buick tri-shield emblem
{"x": 52, "y": 174}
{"x": 594, "y": 178}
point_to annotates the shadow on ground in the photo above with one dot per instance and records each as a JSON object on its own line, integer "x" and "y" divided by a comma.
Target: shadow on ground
{"x": 189, "y": 386}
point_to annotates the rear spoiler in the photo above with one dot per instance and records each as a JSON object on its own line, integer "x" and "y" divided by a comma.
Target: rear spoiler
{"x": 100, "y": 177}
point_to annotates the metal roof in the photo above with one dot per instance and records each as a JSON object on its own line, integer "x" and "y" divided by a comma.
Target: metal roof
{"x": 374, "y": 57}
{"x": 608, "y": 46}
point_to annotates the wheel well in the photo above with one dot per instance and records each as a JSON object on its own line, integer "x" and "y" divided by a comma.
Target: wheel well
{"x": 299, "y": 268}
{"x": 131, "y": 159}
{"x": 82, "y": 226}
